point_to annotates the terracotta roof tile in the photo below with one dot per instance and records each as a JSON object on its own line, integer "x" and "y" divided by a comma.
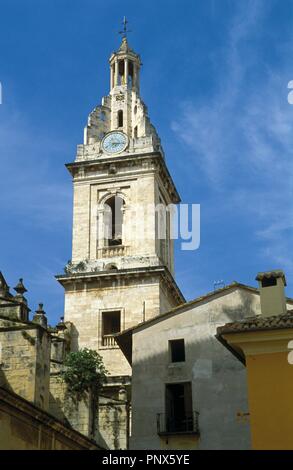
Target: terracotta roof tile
{"x": 258, "y": 322}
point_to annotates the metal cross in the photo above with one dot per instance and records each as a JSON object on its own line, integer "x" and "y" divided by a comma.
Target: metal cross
{"x": 125, "y": 30}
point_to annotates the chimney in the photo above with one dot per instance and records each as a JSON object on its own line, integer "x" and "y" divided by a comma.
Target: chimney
{"x": 272, "y": 293}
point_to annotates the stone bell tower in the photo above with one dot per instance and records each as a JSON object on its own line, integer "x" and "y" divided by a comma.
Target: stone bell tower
{"x": 122, "y": 267}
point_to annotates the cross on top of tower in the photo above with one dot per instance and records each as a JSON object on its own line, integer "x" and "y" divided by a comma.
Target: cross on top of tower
{"x": 125, "y": 30}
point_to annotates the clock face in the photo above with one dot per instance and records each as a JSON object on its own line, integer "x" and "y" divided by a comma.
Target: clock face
{"x": 114, "y": 142}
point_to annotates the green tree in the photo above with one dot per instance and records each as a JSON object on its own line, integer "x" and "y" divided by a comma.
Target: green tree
{"x": 83, "y": 371}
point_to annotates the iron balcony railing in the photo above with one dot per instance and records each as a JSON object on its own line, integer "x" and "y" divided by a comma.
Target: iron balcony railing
{"x": 168, "y": 424}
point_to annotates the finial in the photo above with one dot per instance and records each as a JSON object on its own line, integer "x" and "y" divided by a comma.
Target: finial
{"x": 61, "y": 325}
{"x": 40, "y": 316}
{"x": 40, "y": 310}
{"x": 125, "y": 30}
{"x": 19, "y": 288}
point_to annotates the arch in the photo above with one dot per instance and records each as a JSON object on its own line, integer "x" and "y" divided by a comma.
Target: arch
{"x": 111, "y": 267}
{"x": 108, "y": 195}
{"x": 113, "y": 220}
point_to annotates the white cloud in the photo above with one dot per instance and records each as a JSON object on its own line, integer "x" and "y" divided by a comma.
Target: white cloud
{"x": 241, "y": 139}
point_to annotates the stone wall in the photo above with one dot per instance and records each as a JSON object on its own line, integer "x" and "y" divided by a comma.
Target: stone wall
{"x": 25, "y": 358}
{"x": 137, "y": 297}
{"x": 113, "y": 422}
{"x": 25, "y": 427}
{"x": 79, "y": 414}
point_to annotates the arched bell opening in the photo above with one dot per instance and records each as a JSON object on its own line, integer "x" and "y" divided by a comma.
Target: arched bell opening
{"x": 113, "y": 221}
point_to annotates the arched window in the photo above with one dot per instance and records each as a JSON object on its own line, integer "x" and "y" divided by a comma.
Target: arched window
{"x": 135, "y": 132}
{"x": 121, "y": 72}
{"x": 120, "y": 118}
{"x": 113, "y": 220}
{"x": 130, "y": 74}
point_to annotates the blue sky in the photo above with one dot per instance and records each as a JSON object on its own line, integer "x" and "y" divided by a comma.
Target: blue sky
{"x": 215, "y": 76}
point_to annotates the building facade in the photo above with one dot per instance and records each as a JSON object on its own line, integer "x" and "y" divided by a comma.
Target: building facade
{"x": 262, "y": 343}
{"x": 188, "y": 392}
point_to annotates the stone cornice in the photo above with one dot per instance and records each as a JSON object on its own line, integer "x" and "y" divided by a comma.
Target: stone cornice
{"x": 161, "y": 271}
{"x": 126, "y": 160}
{"x": 17, "y": 324}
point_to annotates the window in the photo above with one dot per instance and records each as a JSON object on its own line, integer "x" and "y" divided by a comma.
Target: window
{"x": 121, "y": 72}
{"x": 113, "y": 221}
{"x": 177, "y": 350}
{"x": 179, "y": 416}
{"x": 111, "y": 324}
{"x": 120, "y": 118}
{"x": 130, "y": 74}
{"x": 135, "y": 132}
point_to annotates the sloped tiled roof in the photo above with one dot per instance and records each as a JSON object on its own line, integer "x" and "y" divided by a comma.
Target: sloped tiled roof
{"x": 124, "y": 339}
{"x": 258, "y": 323}
{"x": 196, "y": 301}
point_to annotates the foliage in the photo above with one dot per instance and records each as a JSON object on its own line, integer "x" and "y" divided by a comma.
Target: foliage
{"x": 83, "y": 371}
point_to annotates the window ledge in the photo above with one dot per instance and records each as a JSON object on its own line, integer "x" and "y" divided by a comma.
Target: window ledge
{"x": 178, "y": 433}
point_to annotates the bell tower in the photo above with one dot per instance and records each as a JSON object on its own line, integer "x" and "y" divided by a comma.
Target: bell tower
{"x": 124, "y": 89}
{"x": 122, "y": 268}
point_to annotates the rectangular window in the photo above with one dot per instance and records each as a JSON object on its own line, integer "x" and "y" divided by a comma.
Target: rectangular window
{"x": 120, "y": 118}
{"x": 111, "y": 324}
{"x": 179, "y": 416}
{"x": 177, "y": 350}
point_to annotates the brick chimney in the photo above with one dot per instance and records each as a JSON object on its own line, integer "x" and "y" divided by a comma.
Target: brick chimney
{"x": 272, "y": 293}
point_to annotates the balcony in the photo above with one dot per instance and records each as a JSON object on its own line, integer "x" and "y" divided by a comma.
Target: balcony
{"x": 112, "y": 251}
{"x": 170, "y": 425}
{"x": 108, "y": 341}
